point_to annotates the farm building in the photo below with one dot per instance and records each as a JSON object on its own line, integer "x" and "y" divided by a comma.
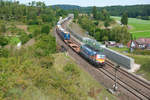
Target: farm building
{"x": 141, "y": 43}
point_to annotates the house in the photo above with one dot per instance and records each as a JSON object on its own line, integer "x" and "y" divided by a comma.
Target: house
{"x": 141, "y": 43}
{"x": 110, "y": 43}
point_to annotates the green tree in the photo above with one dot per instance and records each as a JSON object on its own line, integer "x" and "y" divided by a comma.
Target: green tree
{"x": 76, "y": 14}
{"x": 106, "y": 23}
{"x": 105, "y": 38}
{"x": 105, "y": 14}
{"x": 124, "y": 19}
{"x": 94, "y": 12}
{"x": 97, "y": 36}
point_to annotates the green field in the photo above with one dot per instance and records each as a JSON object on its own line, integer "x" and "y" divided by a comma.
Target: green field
{"x": 139, "y": 28}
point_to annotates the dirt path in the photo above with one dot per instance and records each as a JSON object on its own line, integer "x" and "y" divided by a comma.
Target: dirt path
{"x": 29, "y": 43}
{"x": 23, "y": 27}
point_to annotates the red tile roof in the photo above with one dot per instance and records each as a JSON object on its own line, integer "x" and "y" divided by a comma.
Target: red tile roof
{"x": 143, "y": 40}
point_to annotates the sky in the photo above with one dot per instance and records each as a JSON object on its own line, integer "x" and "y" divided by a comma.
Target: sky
{"x": 84, "y": 3}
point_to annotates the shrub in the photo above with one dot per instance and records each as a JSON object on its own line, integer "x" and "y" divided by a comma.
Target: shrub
{"x": 34, "y": 22}
{"x": 2, "y": 28}
{"x": 36, "y": 32}
{"x": 30, "y": 35}
{"x": 45, "y": 45}
{"x": 14, "y": 40}
{"x": 3, "y": 41}
{"x": 24, "y": 37}
{"x": 45, "y": 29}
{"x": 70, "y": 68}
{"x": 4, "y": 52}
{"x": 46, "y": 62}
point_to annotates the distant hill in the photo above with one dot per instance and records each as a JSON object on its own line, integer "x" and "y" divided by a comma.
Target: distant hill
{"x": 133, "y": 10}
{"x": 67, "y": 7}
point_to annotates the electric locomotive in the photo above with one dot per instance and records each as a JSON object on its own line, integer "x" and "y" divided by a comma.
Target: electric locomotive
{"x": 64, "y": 34}
{"x": 93, "y": 56}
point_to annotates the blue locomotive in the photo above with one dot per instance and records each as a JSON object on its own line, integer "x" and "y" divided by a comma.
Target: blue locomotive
{"x": 93, "y": 56}
{"x": 64, "y": 34}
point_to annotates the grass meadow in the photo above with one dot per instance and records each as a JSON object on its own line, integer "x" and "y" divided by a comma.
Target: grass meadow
{"x": 138, "y": 27}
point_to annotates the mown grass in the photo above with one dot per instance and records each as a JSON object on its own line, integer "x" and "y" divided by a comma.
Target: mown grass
{"x": 141, "y": 34}
{"x": 139, "y": 28}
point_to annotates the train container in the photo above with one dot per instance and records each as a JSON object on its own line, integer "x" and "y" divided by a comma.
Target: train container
{"x": 93, "y": 56}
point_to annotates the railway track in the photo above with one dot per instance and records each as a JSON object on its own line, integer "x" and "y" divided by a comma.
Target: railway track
{"x": 139, "y": 89}
{"x": 128, "y": 81}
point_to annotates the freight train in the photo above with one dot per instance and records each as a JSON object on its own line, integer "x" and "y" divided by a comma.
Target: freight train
{"x": 90, "y": 54}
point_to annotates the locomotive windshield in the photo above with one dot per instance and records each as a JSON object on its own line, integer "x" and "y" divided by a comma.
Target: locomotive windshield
{"x": 99, "y": 56}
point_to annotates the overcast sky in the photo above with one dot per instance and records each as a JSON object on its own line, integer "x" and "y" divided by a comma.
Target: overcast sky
{"x": 84, "y": 3}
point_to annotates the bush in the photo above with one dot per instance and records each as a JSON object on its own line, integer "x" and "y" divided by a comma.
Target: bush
{"x": 30, "y": 36}
{"x": 46, "y": 62}
{"x": 4, "y": 52}
{"x": 36, "y": 32}
{"x": 45, "y": 29}
{"x": 14, "y": 40}
{"x": 70, "y": 68}
{"x": 45, "y": 45}
{"x": 3, "y": 41}
{"x": 24, "y": 37}
{"x": 3, "y": 28}
{"x": 145, "y": 18}
{"x": 34, "y": 22}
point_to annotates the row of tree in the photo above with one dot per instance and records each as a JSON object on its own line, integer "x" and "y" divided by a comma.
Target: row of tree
{"x": 135, "y": 11}
{"x": 104, "y": 15}
{"x": 118, "y": 34}
{"x": 31, "y": 13}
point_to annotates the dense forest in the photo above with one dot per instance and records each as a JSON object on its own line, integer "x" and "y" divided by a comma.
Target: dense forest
{"x": 139, "y": 11}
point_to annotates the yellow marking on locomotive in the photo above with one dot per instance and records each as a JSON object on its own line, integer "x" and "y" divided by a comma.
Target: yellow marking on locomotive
{"x": 101, "y": 60}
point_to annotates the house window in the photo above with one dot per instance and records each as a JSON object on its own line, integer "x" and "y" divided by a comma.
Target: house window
{"x": 148, "y": 45}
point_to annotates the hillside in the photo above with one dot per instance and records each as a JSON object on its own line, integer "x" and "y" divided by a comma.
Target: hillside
{"x": 133, "y": 10}
{"x": 67, "y": 7}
